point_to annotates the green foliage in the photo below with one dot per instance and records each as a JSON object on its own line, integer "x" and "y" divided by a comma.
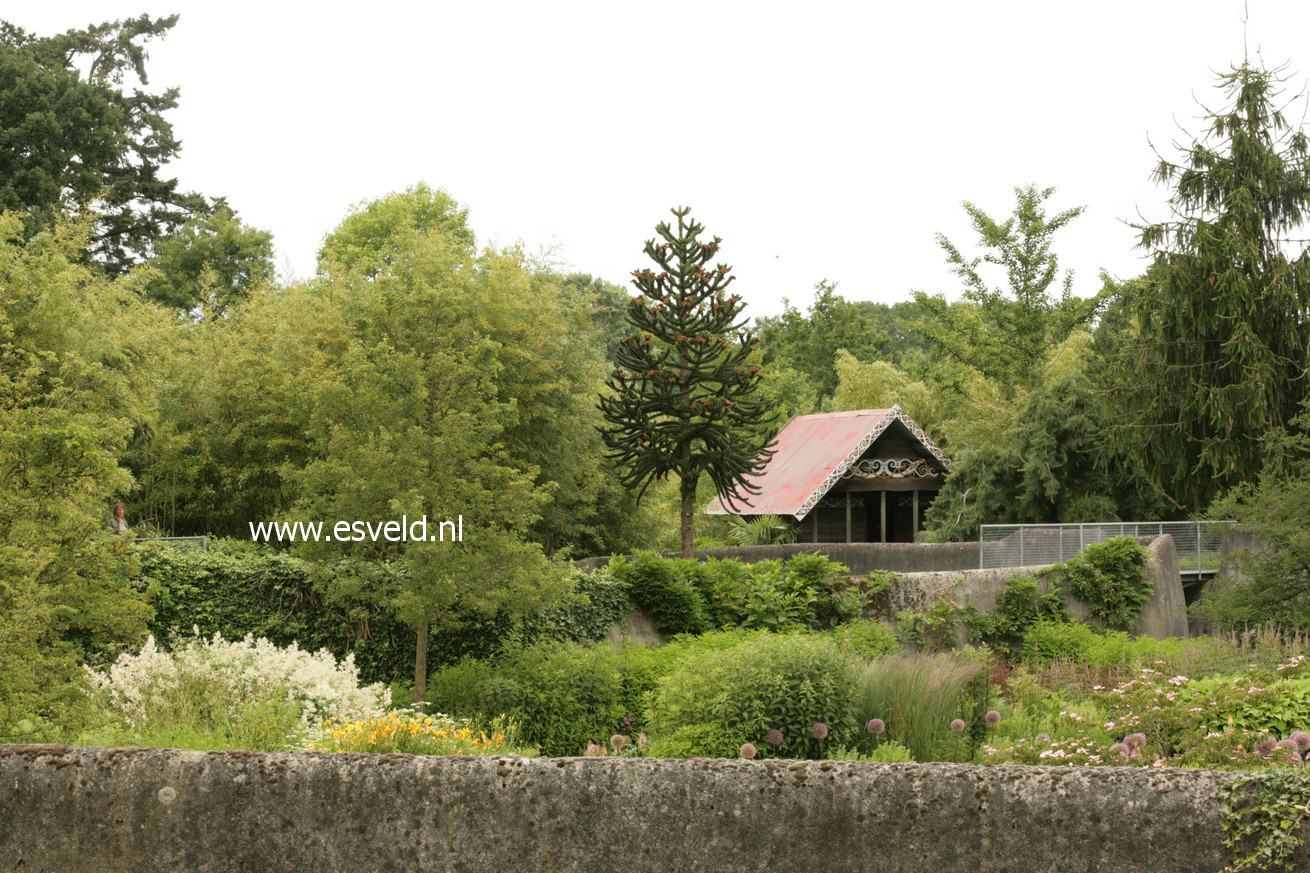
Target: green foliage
{"x": 1264, "y": 813}
{"x": 867, "y": 638}
{"x": 214, "y": 261}
{"x": 1270, "y": 582}
{"x": 782, "y": 682}
{"x": 1007, "y": 333}
{"x": 80, "y": 127}
{"x": 683, "y": 398}
{"x": 690, "y": 596}
{"x": 1074, "y": 642}
{"x": 930, "y": 630}
{"x": 236, "y": 588}
{"x": 808, "y": 344}
{"x": 1020, "y": 606}
{"x": 1110, "y": 577}
{"x": 76, "y": 364}
{"x": 889, "y": 752}
{"x": 659, "y": 586}
{"x": 1218, "y": 357}
{"x": 761, "y": 530}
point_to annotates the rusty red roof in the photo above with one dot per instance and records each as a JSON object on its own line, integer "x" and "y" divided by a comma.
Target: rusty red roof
{"x": 810, "y": 454}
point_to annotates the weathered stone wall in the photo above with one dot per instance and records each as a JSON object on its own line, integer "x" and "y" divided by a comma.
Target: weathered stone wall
{"x": 860, "y": 557}
{"x": 1164, "y": 615}
{"x": 75, "y": 810}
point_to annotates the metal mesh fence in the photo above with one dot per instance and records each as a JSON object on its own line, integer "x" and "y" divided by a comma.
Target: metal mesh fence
{"x": 1032, "y": 545}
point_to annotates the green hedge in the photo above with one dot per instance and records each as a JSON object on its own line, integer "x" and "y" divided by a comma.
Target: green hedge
{"x": 238, "y": 588}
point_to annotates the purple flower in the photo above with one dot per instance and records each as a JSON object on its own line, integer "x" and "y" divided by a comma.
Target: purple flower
{"x": 1302, "y": 740}
{"x": 993, "y": 718}
{"x": 1264, "y": 747}
{"x": 957, "y": 726}
{"x": 876, "y": 726}
{"x": 1135, "y": 741}
{"x": 1043, "y": 738}
{"x": 820, "y": 730}
{"x": 747, "y": 751}
{"x": 1121, "y": 749}
{"x": 774, "y": 738}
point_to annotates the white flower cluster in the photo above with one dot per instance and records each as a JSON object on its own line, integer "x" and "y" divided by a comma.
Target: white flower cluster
{"x": 321, "y": 686}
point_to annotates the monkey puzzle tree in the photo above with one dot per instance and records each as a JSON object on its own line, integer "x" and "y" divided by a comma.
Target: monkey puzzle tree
{"x": 684, "y": 398}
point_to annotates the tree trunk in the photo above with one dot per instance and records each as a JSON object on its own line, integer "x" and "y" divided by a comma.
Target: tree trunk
{"x": 421, "y": 666}
{"x": 688, "y": 519}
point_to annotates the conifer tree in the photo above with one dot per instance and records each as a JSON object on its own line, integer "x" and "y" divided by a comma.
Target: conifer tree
{"x": 684, "y": 397}
{"x": 1223, "y": 330}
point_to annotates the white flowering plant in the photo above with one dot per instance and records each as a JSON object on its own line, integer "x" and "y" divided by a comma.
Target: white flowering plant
{"x": 217, "y": 693}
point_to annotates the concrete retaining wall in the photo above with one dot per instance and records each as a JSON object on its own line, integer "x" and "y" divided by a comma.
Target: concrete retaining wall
{"x": 1164, "y": 615}
{"x": 76, "y": 810}
{"x": 860, "y": 557}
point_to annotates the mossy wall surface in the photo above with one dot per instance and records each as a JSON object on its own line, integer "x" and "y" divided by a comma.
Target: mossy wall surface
{"x": 82, "y": 810}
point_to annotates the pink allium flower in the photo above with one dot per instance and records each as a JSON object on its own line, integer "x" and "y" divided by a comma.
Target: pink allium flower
{"x": 957, "y": 726}
{"x": 1302, "y": 740}
{"x": 993, "y": 718}
{"x": 774, "y": 738}
{"x": 747, "y": 751}
{"x": 617, "y": 742}
{"x": 876, "y": 726}
{"x": 1043, "y": 738}
{"x": 819, "y": 730}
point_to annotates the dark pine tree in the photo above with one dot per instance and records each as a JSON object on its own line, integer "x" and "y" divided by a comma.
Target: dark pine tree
{"x": 684, "y": 398}
{"x": 1223, "y": 315}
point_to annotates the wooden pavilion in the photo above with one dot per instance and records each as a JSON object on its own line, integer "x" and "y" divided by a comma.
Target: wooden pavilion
{"x": 847, "y": 477}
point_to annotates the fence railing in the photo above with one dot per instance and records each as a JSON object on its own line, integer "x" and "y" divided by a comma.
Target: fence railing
{"x": 201, "y": 543}
{"x": 1032, "y": 545}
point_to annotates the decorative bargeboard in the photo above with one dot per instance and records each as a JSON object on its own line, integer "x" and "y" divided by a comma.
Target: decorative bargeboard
{"x": 892, "y": 468}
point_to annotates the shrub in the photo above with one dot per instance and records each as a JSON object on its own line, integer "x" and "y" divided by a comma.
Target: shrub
{"x": 562, "y": 695}
{"x": 1049, "y": 641}
{"x": 867, "y": 638}
{"x": 1020, "y": 605}
{"x": 890, "y": 752}
{"x": 661, "y": 587}
{"x": 216, "y": 694}
{"x": 933, "y": 630}
{"x": 712, "y": 705}
{"x": 918, "y": 696}
{"x": 1110, "y": 577}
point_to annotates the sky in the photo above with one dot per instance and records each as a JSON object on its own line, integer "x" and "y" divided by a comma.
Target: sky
{"x": 820, "y": 140}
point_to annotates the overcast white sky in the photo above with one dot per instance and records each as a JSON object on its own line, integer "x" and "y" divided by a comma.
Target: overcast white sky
{"x": 819, "y": 139}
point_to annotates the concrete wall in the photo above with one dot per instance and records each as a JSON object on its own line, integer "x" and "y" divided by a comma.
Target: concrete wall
{"x": 860, "y": 557}
{"x": 77, "y": 810}
{"x": 1164, "y": 615}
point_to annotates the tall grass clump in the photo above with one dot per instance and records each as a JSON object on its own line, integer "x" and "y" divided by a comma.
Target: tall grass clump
{"x": 220, "y": 694}
{"x": 917, "y": 697}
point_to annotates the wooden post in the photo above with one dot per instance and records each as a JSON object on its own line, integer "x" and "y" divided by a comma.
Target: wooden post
{"x": 848, "y": 517}
{"x": 814, "y": 525}
{"x": 882, "y": 517}
{"x": 916, "y": 513}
